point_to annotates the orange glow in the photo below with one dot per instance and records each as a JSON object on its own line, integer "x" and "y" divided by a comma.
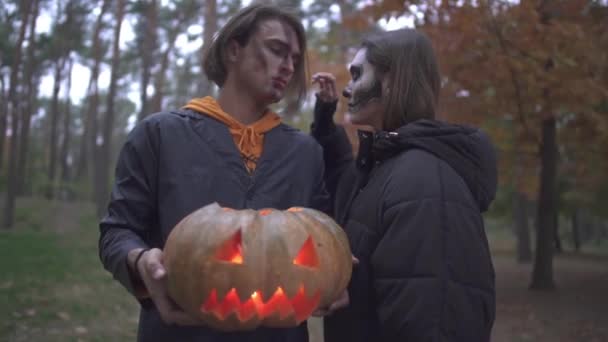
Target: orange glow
{"x": 231, "y": 250}
{"x": 295, "y": 209}
{"x": 237, "y": 258}
{"x": 227, "y": 209}
{"x": 307, "y": 256}
{"x": 304, "y": 306}
{"x": 299, "y": 306}
{"x": 265, "y": 212}
{"x": 277, "y": 303}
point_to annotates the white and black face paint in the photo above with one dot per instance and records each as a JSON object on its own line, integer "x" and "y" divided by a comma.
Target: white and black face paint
{"x": 365, "y": 85}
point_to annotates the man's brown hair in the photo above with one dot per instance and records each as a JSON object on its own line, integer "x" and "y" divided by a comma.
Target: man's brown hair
{"x": 407, "y": 60}
{"x": 240, "y": 28}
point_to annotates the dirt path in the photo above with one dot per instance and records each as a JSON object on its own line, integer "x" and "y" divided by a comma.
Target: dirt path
{"x": 576, "y": 311}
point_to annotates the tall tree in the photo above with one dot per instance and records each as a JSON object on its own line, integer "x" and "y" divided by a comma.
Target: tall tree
{"x": 209, "y": 28}
{"x": 89, "y": 136}
{"x": 29, "y": 97}
{"x": 59, "y": 66}
{"x": 103, "y": 168}
{"x": 6, "y": 54}
{"x": 67, "y": 119}
{"x": 70, "y": 19}
{"x": 25, "y": 8}
{"x": 174, "y": 22}
{"x": 147, "y": 43}
{"x": 3, "y": 114}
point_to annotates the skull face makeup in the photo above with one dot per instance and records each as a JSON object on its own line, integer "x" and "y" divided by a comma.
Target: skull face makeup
{"x": 364, "y": 93}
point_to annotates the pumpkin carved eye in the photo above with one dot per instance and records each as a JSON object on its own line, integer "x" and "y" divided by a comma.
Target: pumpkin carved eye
{"x": 307, "y": 256}
{"x": 231, "y": 250}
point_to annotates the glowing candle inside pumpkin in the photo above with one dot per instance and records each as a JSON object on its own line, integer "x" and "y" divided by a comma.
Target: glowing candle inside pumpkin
{"x": 232, "y": 249}
{"x": 300, "y": 306}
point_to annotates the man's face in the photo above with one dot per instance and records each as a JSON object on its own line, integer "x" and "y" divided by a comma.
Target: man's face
{"x": 265, "y": 65}
{"x": 364, "y": 92}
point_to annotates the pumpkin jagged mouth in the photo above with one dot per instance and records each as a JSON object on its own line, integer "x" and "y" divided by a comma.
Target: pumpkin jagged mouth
{"x": 299, "y": 305}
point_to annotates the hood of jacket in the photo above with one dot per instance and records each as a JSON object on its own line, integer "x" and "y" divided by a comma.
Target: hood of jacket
{"x": 469, "y": 151}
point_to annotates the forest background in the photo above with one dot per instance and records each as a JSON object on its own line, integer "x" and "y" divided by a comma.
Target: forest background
{"x": 76, "y": 76}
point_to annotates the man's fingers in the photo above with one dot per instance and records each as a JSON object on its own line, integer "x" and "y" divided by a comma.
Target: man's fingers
{"x": 355, "y": 260}
{"x": 157, "y": 270}
{"x": 152, "y": 262}
{"x": 169, "y": 313}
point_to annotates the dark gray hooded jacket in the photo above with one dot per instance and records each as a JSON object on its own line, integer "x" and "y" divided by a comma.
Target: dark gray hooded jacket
{"x": 176, "y": 162}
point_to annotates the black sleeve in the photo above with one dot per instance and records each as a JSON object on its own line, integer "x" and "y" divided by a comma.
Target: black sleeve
{"x": 323, "y": 122}
{"x": 132, "y": 209}
{"x": 321, "y": 200}
{"x": 337, "y": 150}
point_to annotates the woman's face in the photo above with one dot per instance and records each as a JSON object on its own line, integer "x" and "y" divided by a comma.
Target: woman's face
{"x": 364, "y": 93}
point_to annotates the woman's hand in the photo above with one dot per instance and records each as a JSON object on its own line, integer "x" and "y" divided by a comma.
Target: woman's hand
{"x": 327, "y": 86}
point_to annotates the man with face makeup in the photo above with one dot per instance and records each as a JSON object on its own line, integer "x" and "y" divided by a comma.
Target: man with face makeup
{"x": 232, "y": 150}
{"x": 411, "y": 202}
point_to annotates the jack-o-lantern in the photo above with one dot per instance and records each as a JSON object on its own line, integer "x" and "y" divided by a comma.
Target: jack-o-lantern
{"x": 239, "y": 269}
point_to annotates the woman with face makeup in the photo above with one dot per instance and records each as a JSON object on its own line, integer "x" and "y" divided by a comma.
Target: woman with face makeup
{"x": 411, "y": 202}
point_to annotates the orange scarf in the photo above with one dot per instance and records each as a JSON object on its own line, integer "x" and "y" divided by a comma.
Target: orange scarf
{"x": 248, "y": 139}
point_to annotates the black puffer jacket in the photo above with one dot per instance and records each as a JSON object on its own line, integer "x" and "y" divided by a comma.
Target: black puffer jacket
{"x": 411, "y": 206}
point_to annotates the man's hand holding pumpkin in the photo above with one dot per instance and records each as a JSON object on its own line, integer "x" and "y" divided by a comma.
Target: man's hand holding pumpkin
{"x": 153, "y": 274}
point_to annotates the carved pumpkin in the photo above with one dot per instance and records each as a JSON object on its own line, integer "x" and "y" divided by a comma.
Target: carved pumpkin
{"x": 239, "y": 269}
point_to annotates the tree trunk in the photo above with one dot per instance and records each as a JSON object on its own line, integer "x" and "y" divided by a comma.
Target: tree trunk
{"x": 159, "y": 83}
{"x": 89, "y": 134}
{"x": 29, "y": 100}
{"x": 558, "y": 241}
{"x": 103, "y": 178}
{"x": 3, "y": 114}
{"x": 576, "y": 240}
{"x": 542, "y": 274}
{"x": 52, "y": 166}
{"x": 209, "y": 28}
{"x": 520, "y": 203}
{"x": 522, "y": 231}
{"x": 65, "y": 143}
{"x": 11, "y": 189}
{"x": 147, "y": 55}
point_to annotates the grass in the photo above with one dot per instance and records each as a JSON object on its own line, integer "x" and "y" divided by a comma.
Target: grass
{"x": 53, "y": 287}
